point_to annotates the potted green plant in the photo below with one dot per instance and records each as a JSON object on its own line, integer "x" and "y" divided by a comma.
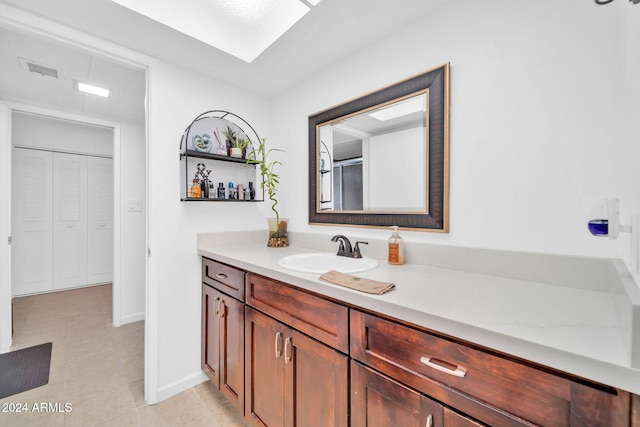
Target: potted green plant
{"x": 230, "y": 136}
{"x": 238, "y": 144}
{"x": 270, "y": 180}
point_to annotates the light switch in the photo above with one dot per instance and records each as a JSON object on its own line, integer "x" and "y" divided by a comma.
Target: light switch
{"x": 135, "y": 205}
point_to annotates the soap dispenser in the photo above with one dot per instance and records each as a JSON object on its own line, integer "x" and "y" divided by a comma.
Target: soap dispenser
{"x": 396, "y": 248}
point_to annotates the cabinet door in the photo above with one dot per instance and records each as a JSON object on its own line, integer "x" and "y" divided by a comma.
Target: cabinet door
{"x": 316, "y": 383}
{"x": 32, "y": 245}
{"x": 231, "y": 314}
{"x": 211, "y": 334}
{"x": 378, "y": 401}
{"x": 223, "y": 344}
{"x": 69, "y": 220}
{"x": 264, "y": 369}
{"x": 292, "y": 379}
{"x": 100, "y": 220}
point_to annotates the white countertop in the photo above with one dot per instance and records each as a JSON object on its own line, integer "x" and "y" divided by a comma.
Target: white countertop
{"x": 567, "y": 328}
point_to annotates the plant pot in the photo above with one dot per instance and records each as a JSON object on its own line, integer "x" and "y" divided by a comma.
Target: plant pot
{"x": 278, "y": 232}
{"x": 235, "y": 152}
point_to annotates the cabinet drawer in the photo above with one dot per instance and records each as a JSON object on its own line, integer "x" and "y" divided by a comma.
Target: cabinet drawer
{"x": 379, "y": 401}
{"x": 223, "y": 277}
{"x": 324, "y": 320}
{"x": 493, "y": 389}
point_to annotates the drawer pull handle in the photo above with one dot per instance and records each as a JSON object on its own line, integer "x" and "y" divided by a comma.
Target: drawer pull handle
{"x": 221, "y": 276}
{"x": 447, "y": 368}
{"x": 287, "y": 350}
{"x": 221, "y": 309}
{"x": 430, "y": 421}
{"x": 216, "y": 306}
{"x": 278, "y": 344}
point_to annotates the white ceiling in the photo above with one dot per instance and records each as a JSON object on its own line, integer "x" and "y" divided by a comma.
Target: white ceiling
{"x": 19, "y": 85}
{"x": 330, "y": 31}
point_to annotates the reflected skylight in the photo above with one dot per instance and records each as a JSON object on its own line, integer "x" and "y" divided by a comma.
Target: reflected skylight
{"x": 401, "y": 109}
{"x": 242, "y": 28}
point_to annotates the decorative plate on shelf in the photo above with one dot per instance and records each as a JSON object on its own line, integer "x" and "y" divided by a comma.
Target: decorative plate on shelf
{"x": 202, "y": 142}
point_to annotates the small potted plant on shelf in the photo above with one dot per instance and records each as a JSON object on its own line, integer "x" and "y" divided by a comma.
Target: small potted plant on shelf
{"x": 270, "y": 180}
{"x": 238, "y": 144}
{"x": 229, "y": 135}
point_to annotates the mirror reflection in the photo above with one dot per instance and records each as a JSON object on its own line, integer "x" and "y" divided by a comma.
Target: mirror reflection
{"x": 382, "y": 159}
{"x": 375, "y": 160}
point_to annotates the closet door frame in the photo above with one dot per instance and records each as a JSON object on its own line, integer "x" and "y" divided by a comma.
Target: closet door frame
{"x": 6, "y": 110}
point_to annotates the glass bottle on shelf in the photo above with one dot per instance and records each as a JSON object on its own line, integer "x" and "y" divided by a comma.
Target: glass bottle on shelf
{"x": 252, "y": 191}
{"x": 195, "y": 191}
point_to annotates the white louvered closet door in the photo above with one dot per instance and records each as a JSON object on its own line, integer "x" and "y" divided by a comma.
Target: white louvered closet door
{"x": 69, "y": 220}
{"x": 32, "y": 243}
{"x": 100, "y": 199}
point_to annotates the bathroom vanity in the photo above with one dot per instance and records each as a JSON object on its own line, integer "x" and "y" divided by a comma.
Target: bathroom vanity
{"x": 287, "y": 349}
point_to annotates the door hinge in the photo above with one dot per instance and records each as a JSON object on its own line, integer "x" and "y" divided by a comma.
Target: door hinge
{"x": 9, "y": 240}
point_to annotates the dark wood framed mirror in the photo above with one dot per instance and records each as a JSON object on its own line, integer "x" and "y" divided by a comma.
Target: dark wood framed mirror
{"x": 383, "y": 159}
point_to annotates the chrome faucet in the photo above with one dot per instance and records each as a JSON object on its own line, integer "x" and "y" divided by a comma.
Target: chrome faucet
{"x": 345, "y": 247}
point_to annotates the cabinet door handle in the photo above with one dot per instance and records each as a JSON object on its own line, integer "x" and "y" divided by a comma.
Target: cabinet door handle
{"x": 430, "y": 421}
{"x": 278, "y": 344}
{"x": 287, "y": 350}
{"x": 216, "y": 306}
{"x": 442, "y": 366}
{"x": 221, "y": 309}
{"x": 221, "y": 276}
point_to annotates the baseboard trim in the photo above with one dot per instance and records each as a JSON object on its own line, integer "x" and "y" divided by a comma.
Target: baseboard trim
{"x": 131, "y": 318}
{"x": 177, "y": 387}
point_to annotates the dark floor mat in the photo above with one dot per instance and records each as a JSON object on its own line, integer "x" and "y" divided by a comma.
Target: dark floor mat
{"x": 24, "y": 369}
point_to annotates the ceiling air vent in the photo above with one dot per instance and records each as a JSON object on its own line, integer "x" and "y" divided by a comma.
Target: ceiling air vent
{"x": 41, "y": 69}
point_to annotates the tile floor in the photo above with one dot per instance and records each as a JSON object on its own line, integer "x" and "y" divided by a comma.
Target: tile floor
{"x": 98, "y": 370}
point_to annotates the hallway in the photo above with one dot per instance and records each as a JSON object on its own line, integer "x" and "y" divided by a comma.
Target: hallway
{"x": 98, "y": 369}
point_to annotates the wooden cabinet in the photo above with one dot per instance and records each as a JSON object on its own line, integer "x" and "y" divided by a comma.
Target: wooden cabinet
{"x": 292, "y": 379}
{"x": 223, "y": 339}
{"x": 225, "y": 278}
{"x": 378, "y": 401}
{"x": 324, "y": 320}
{"x": 296, "y": 375}
{"x": 289, "y": 357}
{"x": 453, "y": 419}
{"x": 495, "y": 390}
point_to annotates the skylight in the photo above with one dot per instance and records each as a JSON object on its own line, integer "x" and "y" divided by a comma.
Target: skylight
{"x": 242, "y": 28}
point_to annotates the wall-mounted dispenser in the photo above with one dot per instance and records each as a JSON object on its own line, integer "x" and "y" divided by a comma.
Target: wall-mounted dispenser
{"x": 609, "y": 226}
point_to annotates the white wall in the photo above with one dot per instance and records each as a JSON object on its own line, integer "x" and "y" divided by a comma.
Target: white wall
{"x": 35, "y": 131}
{"x": 177, "y": 97}
{"x": 630, "y": 40}
{"x": 133, "y": 251}
{"x": 537, "y": 136}
{"x": 403, "y": 186}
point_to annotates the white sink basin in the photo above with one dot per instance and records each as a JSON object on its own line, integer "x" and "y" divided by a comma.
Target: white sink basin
{"x": 321, "y": 262}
